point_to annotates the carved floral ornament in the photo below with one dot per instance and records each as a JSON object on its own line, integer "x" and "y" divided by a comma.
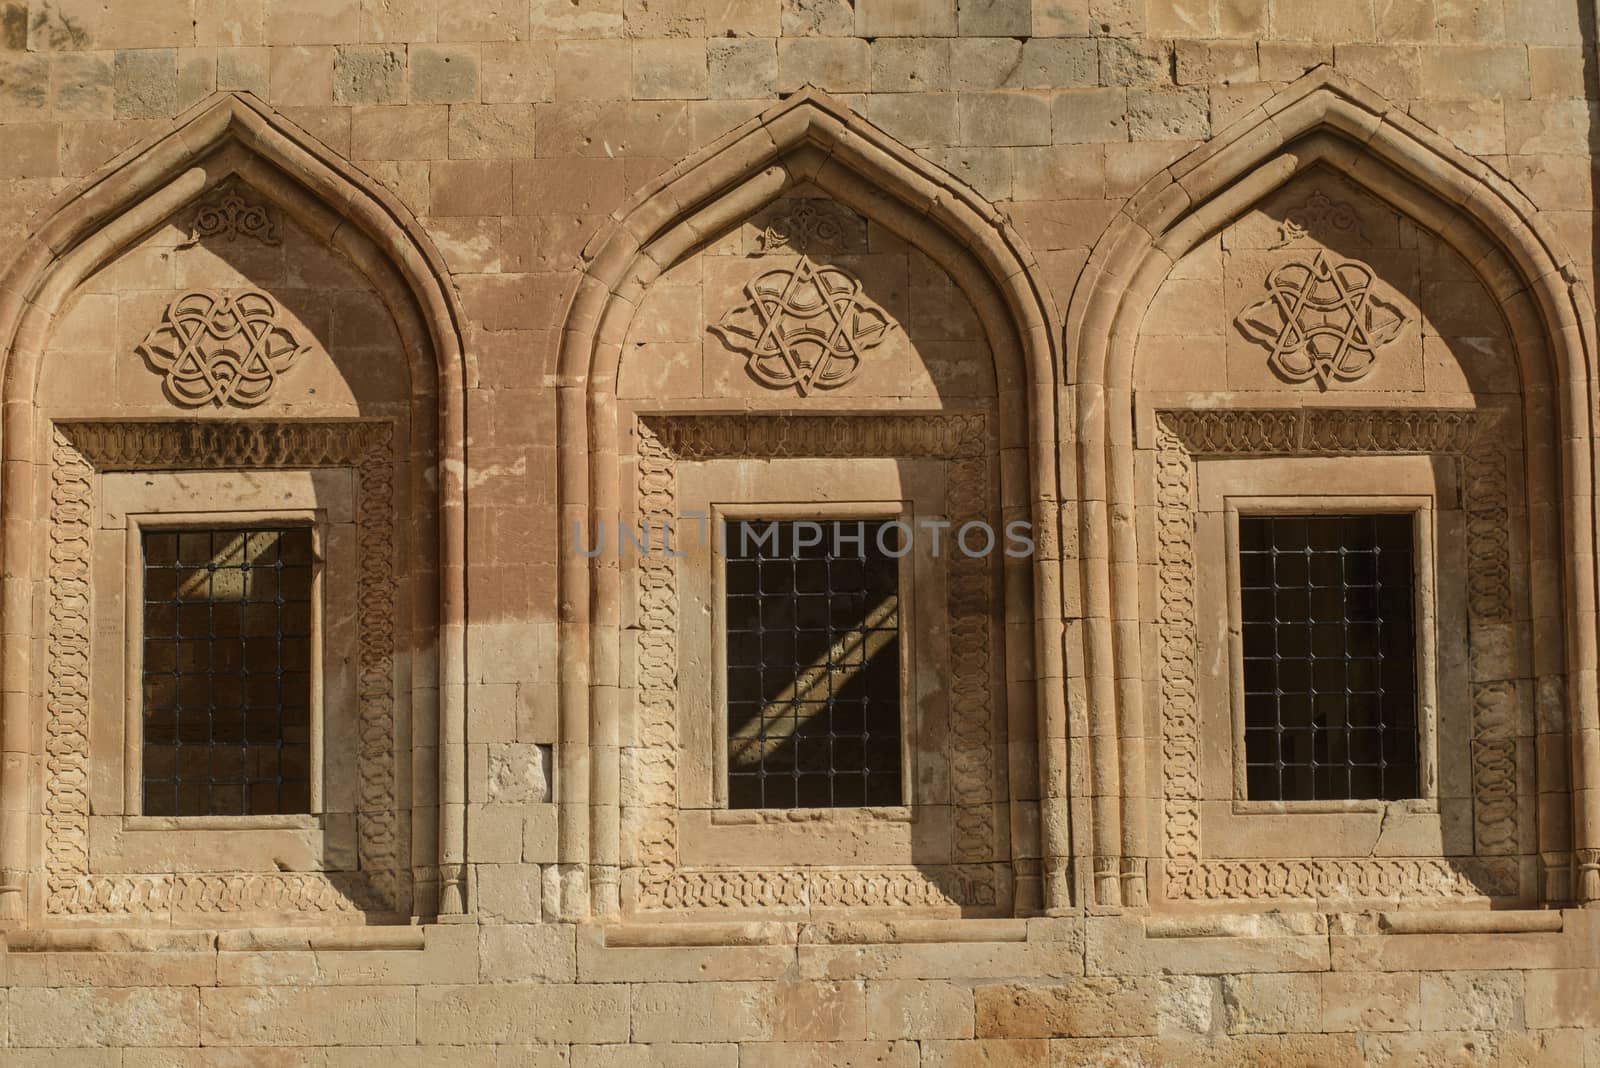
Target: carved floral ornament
{"x": 805, "y": 325}
{"x": 230, "y": 215}
{"x": 805, "y": 226}
{"x": 1322, "y": 320}
{"x": 221, "y": 348}
{"x": 1319, "y": 214}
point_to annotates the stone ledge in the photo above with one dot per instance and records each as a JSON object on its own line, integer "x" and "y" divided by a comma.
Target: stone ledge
{"x": 1473, "y": 922}
{"x": 281, "y": 939}
{"x": 258, "y": 939}
{"x": 837, "y": 933}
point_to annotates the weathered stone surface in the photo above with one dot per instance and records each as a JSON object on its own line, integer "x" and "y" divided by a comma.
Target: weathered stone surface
{"x": 505, "y": 231}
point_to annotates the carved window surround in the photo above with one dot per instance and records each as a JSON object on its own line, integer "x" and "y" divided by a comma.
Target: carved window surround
{"x": 970, "y": 873}
{"x": 81, "y": 452}
{"x": 1468, "y": 441}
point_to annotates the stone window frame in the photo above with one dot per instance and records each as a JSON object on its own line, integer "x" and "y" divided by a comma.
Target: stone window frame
{"x": 1421, "y": 509}
{"x": 83, "y": 450}
{"x": 1496, "y": 867}
{"x": 655, "y": 879}
{"x": 131, "y": 771}
{"x": 906, "y": 567}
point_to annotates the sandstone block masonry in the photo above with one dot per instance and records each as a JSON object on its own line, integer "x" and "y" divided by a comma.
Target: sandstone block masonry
{"x": 426, "y": 285}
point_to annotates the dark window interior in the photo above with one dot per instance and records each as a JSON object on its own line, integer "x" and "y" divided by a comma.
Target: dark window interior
{"x": 813, "y": 653}
{"x": 1327, "y": 605}
{"x": 227, "y": 671}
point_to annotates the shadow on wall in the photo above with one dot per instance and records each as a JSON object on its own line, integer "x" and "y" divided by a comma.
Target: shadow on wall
{"x": 1589, "y": 39}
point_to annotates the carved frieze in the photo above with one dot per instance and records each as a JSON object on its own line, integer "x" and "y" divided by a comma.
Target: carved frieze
{"x": 221, "y": 348}
{"x": 805, "y": 326}
{"x": 1323, "y": 320}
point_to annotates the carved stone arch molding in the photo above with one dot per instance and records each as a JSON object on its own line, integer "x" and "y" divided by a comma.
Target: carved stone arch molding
{"x": 235, "y": 138}
{"x": 814, "y": 141}
{"x": 1325, "y": 120}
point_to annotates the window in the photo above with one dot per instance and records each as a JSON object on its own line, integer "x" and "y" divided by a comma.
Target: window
{"x": 813, "y": 664}
{"x": 1327, "y": 607}
{"x": 227, "y": 670}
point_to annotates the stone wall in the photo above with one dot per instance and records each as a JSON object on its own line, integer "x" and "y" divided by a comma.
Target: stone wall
{"x": 1062, "y": 213}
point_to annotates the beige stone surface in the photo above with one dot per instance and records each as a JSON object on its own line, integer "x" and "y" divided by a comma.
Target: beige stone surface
{"x": 502, "y": 234}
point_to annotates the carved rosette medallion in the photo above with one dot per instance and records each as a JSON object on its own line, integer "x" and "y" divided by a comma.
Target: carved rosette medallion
{"x": 220, "y": 348}
{"x": 1322, "y": 320}
{"x": 805, "y": 326}
{"x": 231, "y": 216}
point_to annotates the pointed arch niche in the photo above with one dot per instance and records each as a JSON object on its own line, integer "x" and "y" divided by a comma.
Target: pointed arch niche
{"x": 955, "y": 400}
{"x": 242, "y": 222}
{"x": 1479, "y": 402}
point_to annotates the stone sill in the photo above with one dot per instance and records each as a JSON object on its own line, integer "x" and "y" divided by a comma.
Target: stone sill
{"x": 1421, "y": 921}
{"x": 1480, "y": 921}
{"x": 835, "y": 933}
{"x": 244, "y": 940}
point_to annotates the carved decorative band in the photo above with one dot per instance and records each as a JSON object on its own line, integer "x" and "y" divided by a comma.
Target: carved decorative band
{"x": 80, "y": 449}
{"x": 971, "y": 886}
{"x": 208, "y": 444}
{"x": 1430, "y": 877}
{"x": 1325, "y": 431}
{"x": 208, "y": 893}
{"x": 732, "y": 437}
{"x": 1469, "y": 437}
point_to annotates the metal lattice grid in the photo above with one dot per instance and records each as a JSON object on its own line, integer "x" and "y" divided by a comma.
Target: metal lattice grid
{"x": 1328, "y": 613}
{"x": 813, "y": 661}
{"x": 227, "y": 671}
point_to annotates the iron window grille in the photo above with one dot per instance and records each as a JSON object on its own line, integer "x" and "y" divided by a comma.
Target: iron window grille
{"x": 813, "y": 665}
{"x": 227, "y": 670}
{"x": 1327, "y": 607}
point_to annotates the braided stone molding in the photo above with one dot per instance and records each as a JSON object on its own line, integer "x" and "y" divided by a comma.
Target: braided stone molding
{"x": 1181, "y": 436}
{"x": 79, "y": 451}
{"x": 649, "y": 814}
{"x": 131, "y": 895}
{"x": 946, "y": 886}
{"x": 1368, "y": 877}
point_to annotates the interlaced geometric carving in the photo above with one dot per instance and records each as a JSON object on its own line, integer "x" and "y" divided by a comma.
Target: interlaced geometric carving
{"x": 221, "y": 348}
{"x": 231, "y": 216}
{"x": 804, "y": 326}
{"x": 1322, "y": 320}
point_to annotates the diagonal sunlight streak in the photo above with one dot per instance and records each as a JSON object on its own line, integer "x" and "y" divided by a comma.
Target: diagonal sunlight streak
{"x": 227, "y": 575}
{"x": 780, "y": 718}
